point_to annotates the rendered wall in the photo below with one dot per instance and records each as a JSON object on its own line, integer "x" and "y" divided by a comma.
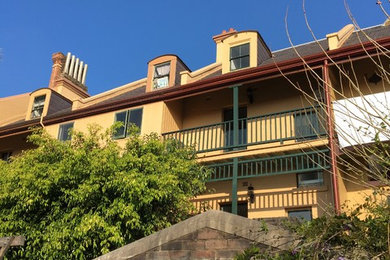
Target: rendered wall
{"x": 274, "y": 196}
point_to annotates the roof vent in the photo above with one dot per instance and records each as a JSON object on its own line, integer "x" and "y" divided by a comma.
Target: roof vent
{"x": 75, "y": 68}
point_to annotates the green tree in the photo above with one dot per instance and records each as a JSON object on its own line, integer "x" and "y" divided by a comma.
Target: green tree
{"x": 82, "y": 198}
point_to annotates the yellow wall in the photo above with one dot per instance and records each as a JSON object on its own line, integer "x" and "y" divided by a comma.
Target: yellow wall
{"x": 257, "y": 48}
{"x": 359, "y": 188}
{"x": 151, "y": 120}
{"x": 172, "y": 116}
{"x": 358, "y": 75}
{"x": 274, "y": 196}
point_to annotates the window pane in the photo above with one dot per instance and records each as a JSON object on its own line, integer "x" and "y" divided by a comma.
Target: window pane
{"x": 234, "y": 52}
{"x": 309, "y": 176}
{"x": 242, "y": 208}
{"x": 64, "y": 134}
{"x": 39, "y": 101}
{"x": 306, "y": 125}
{"x": 300, "y": 214}
{"x": 120, "y": 117}
{"x": 161, "y": 82}
{"x": 244, "y": 62}
{"x": 244, "y": 49}
{"x": 228, "y": 127}
{"x": 162, "y": 70}
{"x": 234, "y": 64}
{"x": 37, "y": 107}
{"x": 136, "y": 117}
{"x": 310, "y": 179}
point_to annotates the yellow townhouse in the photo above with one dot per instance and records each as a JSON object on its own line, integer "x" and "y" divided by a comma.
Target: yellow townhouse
{"x": 274, "y": 151}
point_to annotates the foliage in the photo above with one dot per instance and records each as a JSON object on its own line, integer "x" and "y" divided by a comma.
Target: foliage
{"x": 361, "y": 234}
{"x": 82, "y": 198}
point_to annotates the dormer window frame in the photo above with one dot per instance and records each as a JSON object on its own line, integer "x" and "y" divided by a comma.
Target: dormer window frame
{"x": 240, "y": 57}
{"x": 38, "y": 106}
{"x": 157, "y": 76}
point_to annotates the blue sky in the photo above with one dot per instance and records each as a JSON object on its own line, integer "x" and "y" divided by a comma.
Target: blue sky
{"x": 118, "y": 38}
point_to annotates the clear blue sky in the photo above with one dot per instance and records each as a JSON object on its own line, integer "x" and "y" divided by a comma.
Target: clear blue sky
{"x": 118, "y": 38}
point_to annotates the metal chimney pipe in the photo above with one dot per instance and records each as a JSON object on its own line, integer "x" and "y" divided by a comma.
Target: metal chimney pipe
{"x": 71, "y": 66}
{"x": 80, "y": 72}
{"x": 84, "y": 73}
{"x": 76, "y": 68}
{"x": 66, "y": 68}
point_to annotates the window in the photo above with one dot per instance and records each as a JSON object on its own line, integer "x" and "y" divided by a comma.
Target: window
{"x": 64, "y": 132}
{"x": 310, "y": 179}
{"x": 228, "y": 127}
{"x": 307, "y": 125}
{"x": 242, "y": 208}
{"x": 239, "y": 57}
{"x": 161, "y": 75}
{"x": 5, "y": 156}
{"x": 128, "y": 118}
{"x": 303, "y": 214}
{"x": 37, "y": 107}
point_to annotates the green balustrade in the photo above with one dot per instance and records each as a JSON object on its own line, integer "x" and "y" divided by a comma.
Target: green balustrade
{"x": 299, "y": 124}
{"x": 274, "y": 165}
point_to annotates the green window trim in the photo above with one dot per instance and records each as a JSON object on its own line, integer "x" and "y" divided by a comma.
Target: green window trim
{"x": 128, "y": 118}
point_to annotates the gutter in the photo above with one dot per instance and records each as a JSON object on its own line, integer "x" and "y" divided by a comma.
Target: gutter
{"x": 330, "y": 126}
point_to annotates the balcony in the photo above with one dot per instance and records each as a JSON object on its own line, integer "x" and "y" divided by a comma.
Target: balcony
{"x": 299, "y": 125}
{"x": 267, "y": 166}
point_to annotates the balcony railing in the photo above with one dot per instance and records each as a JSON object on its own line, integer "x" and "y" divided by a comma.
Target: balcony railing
{"x": 300, "y": 124}
{"x": 274, "y": 165}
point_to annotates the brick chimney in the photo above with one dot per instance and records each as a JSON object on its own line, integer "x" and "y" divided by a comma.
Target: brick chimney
{"x": 58, "y": 63}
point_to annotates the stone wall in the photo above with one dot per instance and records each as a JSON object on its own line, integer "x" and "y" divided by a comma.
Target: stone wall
{"x": 205, "y": 243}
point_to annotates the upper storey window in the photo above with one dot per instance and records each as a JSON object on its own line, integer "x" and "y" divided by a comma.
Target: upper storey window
{"x": 128, "y": 119}
{"x": 64, "y": 132}
{"x": 239, "y": 57}
{"x": 37, "y": 108}
{"x": 161, "y": 75}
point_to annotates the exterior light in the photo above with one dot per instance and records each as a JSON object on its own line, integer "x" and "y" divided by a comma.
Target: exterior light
{"x": 251, "y": 193}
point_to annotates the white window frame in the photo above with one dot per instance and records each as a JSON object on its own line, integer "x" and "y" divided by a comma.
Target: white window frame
{"x": 61, "y": 131}
{"x": 161, "y": 78}
{"x": 38, "y": 105}
{"x": 319, "y": 181}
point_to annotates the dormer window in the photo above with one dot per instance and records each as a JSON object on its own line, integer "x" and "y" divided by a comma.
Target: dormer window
{"x": 37, "y": 108}
{"x": 239, "y": 57}
{"x": 161, "y": 75}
